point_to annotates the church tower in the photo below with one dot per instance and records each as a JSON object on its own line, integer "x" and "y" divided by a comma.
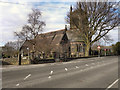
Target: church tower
{"x": 71, "y": 17}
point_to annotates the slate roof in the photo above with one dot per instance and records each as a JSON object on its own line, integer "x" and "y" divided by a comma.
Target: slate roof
{"x": 73, "y": 37}
{"x": 52, "y": 38}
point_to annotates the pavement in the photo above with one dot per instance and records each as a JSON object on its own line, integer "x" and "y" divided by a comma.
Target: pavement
{"x": 97, "y": 72}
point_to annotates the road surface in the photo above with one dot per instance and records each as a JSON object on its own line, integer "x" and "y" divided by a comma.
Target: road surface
{"x": 97, "y": 72}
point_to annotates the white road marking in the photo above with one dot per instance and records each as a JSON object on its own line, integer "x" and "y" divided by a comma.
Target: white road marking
{"x": 17, "y": 84}
{"x": 27, "y": 76}
{"x": 91, "y": 67}
{"x": 86, "y": 64}
{"x": 64, "y": 63}
{"x": 76, "y": 66}
{"x": 98, "y": 62}
{"x": 81, "y": 70}
{"x": 53, "y": 64}
{"x": 112, "y": 84}
{"x": 51, "y": 72}
{"x": 49, "y": 77}
{"x": 66, "y": 69}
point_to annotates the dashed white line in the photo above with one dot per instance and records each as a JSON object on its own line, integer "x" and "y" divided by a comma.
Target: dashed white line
{"x": 17, "y": 84}
{"x": 81, "y": 70}
{"x": 86, "y": 64}
{"x": 27, "y": 76}
{"x": 49, "y": 77}
{"x": 76, "y": 66}
{"x": 64, "y": 63}
{"x": 66, "y": 69}
{"x": 51, "y": 72}
{"x": 112, "y": 84}
{"x": 91, "y": 67}
{"x": 53, "y": 64}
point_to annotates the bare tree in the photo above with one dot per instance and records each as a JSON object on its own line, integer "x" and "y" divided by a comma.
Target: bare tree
{"x": 93, "y": 20}
{"x": 33, "y": 28}
{"x": 9, "y": 49}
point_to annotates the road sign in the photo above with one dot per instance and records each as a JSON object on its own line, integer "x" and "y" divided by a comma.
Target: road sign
{"x": 98, "y": 47}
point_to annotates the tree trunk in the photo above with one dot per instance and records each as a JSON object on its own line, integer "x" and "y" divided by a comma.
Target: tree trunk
{"x": 90, "y": 49}
{"x": 87, "y": 49}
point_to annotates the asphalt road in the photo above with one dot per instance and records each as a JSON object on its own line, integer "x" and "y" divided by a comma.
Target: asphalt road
{"x": 98, "y": 72}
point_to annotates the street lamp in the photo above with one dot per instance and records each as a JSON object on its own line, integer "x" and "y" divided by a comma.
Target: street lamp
{"x": 19, "y": 56}
{"x": 28, "y": 54}
{"x": 98, "y": 51}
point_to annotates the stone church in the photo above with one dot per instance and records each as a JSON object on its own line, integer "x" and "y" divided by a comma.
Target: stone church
{"x": 58, "y": 44}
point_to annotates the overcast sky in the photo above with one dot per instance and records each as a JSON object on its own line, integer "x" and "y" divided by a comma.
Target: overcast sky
{"x": 13, "y": 15}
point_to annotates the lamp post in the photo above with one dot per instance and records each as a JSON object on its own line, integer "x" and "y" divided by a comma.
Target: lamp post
{"x": 28, "y": 54}
{"x": 98, "y": 51}
{"x": 19, "y": 56}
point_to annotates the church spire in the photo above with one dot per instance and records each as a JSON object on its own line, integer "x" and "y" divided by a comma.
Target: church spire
{"x": 70, "y": 17}
{"x": 71, "y": 8}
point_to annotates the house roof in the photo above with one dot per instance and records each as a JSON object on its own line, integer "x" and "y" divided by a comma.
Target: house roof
{"x": 57, "y": 39}
{"x": 70, "y": 34}
{"x": 45, "y": 40}
{"x": 26, "y": 44}
{"x": 54, "y": 37}
{"x": 73, "y": 37}
{"x": 51, "y": 38}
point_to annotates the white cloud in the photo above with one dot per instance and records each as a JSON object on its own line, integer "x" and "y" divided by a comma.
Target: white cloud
{"x": 114, "y": 35}
{"x": 24, "y": 1}
{"x": 12, "y": 17}
{"x": 54, "y": 15}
